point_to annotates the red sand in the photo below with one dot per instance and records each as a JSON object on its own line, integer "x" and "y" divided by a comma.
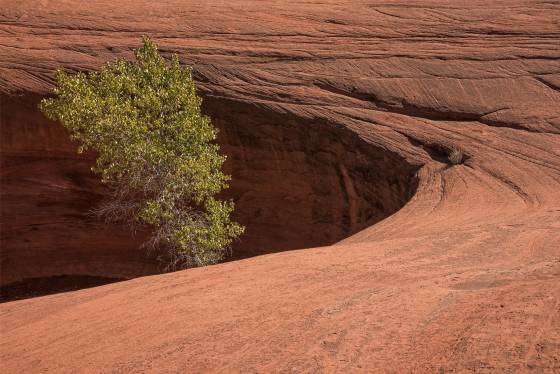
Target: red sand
{"x": 465, "y": 277}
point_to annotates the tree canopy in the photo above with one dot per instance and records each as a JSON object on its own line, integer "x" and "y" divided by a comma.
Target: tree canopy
{"x": 155, "y": 152}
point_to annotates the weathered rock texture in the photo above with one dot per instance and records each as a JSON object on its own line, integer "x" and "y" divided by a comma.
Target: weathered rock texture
{"x": 335, "y": 114}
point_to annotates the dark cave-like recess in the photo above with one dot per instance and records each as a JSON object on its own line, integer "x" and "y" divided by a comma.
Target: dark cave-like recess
{"x": 297, "y": 183}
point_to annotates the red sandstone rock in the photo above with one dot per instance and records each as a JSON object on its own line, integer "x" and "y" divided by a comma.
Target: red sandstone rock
{"x": 333, "y": 113}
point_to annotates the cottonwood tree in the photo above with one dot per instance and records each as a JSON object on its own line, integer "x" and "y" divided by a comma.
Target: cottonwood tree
{"x": 155, "y": 152}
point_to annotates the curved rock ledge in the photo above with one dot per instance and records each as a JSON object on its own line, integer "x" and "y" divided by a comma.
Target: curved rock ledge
{"x": 297, "y": 182}
{"x": 464, "y": 277}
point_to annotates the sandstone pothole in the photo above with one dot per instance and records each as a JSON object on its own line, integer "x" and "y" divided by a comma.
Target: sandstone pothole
{"x": 297, "y": 183}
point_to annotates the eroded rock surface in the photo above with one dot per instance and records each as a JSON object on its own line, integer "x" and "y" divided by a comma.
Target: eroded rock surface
{"x": 335, "y": 114}
{"x": 297, "y": 182}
